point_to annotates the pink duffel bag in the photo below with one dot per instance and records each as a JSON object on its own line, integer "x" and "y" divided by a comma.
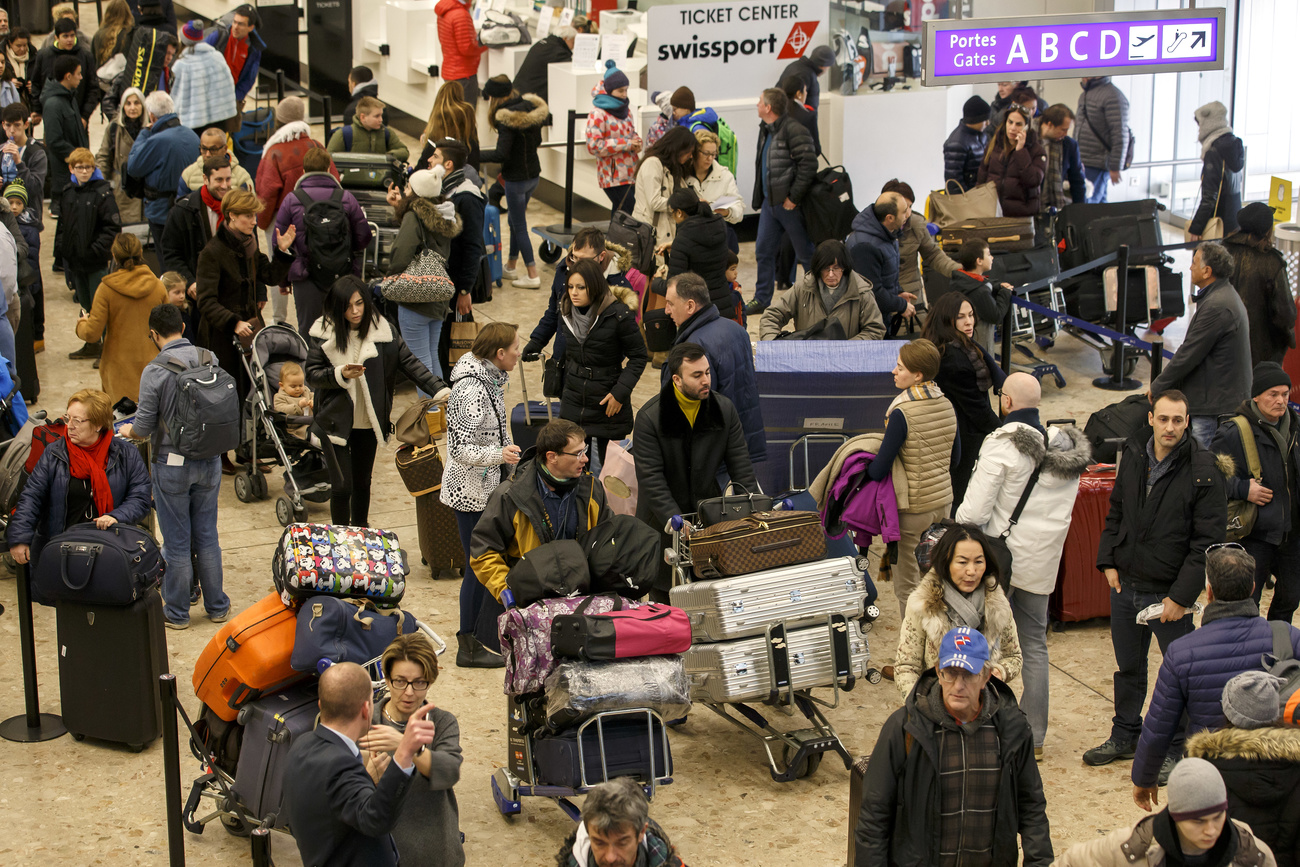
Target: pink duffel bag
{"x": 526, "y": 639}
{"x": 635, "y": 630}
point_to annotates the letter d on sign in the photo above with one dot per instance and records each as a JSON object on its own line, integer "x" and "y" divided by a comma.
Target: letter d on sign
{"x": 1111, "y": 37}
{"x": 1048, "y": 46}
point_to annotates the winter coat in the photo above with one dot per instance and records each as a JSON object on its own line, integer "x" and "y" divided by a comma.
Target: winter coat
{"x": 425, "y": 225}
{"x": 1261, "y": 768}
{"x": 659, "y": 852}
{"x": 202, "y": 87}
{"x": 63, "y": 132}
{"x": 114, "y": 151}
{"x": 192, "y": 177}
{"x": 975, "y": 416}
{"x": 42, "y": 510}
{"x": 549, "y": 325}
{"x": 856, "y": 310}
{"x": 1006, "y": 461}
{"x": 788, "y": 164}
{"x": 1262, "y": 282}
{"x": 1103, "y": 125}
{"x": 519, "y": 134}
{"x": 963, "y": 155}
{"x": 467, "y": 248}
{"x": 477, "y": 434}
{"x": 369, "y": 141}
{"x": 807, "y": 118}
{"x": 456, "y": 35}
{"x": 1222, "y": 171}
{"x": 319, "y": 186}
{"x": 1232, "y": 638}
{"x": 700, "y": 246}
{"x": 1212, "y": 365}
{"x": 654, "y": 184}
{"x": 1157, "y": 541}
{"x": 281, "y": 167}
{"x": 830, "y": 474}
{"x": 917, "y": 241}
{"x": 185, "y": 234}
{"x": 861, "y": 504}
{"x": 231, "y": 283}
{"x": 384, "y": 353}
{"x": 927, "y": 621}
{"x": 611, "y": 140}
{"x": 1276, "y": 520}
{"x": 731, "y": 359}
{"x": 1124, "y": 847}
{"x": 218, "y": 38}
{"x": 159, "y": 155}
{"x": 594, "y": 368}
{"x": 899, "y": 819}
{"x": 989, "y": 301}
{"x": 41, "y": 74}
{"x": 120, "y": 315}
{"x": 533, "y": 76}
{"x": 717, "y": 183}
{"x": 874, "y": 251}
{"x": 1019, "y": 176}
{"x": 806, "y": 71}
{"x": 88, "y": 222}
{"x": 370, "y": 89}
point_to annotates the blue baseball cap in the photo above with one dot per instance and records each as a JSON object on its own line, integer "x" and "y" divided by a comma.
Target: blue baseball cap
{"x": 964, "y": 647}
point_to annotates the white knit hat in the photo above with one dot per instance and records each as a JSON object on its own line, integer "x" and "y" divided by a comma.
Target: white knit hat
{"x": 427, "y": 183}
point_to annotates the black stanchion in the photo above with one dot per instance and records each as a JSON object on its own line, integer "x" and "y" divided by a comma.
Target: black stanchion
{"x": 172, "y": 773}
{"x": 1007, "y": 324}
{"x": 327, "y": 105}
{"x": 32, "y": 726}
{"x": 1157, "y": 356}
{"x": 567, "y": 228}
{"x": 1117, "y": 381}
{"x": 261, "y": 847}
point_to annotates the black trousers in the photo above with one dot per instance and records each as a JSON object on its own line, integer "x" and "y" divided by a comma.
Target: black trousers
{"x": 350, "y": 468}
{"x": 1282, "y": 562}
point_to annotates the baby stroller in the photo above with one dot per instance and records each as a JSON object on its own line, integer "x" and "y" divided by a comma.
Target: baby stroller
{"x": 305, "y": 475}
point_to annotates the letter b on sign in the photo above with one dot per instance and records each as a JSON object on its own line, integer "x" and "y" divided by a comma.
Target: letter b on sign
{"x": 1049, "y": 50}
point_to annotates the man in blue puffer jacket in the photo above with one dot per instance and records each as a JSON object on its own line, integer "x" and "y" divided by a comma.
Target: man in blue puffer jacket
{"x": 1232, "y": 639}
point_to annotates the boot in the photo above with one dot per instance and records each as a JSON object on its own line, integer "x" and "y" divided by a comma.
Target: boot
{"x": 471, "y": 653}
{"x": 87, "y": 350}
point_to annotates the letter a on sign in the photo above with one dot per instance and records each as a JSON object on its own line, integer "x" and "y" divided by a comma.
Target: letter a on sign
{"x": 797, "y": 42}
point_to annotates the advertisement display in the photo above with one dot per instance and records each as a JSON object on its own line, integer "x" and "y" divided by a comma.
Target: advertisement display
{"x": 731, "y": 50}
{"x": 1068, "y": 46}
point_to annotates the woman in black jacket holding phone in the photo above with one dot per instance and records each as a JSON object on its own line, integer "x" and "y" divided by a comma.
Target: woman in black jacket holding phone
{"x": 352, "y": 367}
{"x": 700, "y": 246}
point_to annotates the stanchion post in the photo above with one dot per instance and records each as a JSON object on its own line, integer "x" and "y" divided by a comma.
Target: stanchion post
{"x": 568, "y": 172}
{"x": 279, "y": 84}
{"x": 1117, "y": 381}
{"x": 327, "y": 106}
{"x": 172, "y": 773}
{"x": 261, "y": 847}
{"x": 32, "y": 726}
{"x": 1157, "y": 356}
{"x": 1007, "y": 347}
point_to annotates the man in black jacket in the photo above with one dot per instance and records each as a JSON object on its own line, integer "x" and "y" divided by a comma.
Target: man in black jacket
{"x": 532, "y": 76}
{"x": 1274, "y": 431}
{"x": 964, "y": 150}
{"x": 1168, "y": 505}
{"x": 785, "y": 166}
{"x": 64, "y": 129}
{"x": 193, "y": 221}
{"x": 67, "y": 44}
{"x": 467, "y": 248}
{"x": 952, "y": 778}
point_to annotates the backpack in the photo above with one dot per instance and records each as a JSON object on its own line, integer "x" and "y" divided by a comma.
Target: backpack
{"x": 828, "y": 208}
{"x": 347, "y": 139}
{"x": 1286, "y": 666}
{"x": 328, "y": 235}
{"x": 503, "y": 28}
{"x": 206, "y": 422}
{"x": 707, "y": 118}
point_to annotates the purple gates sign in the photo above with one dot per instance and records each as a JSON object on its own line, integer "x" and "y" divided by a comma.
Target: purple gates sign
{"x": 1065, "y": 46}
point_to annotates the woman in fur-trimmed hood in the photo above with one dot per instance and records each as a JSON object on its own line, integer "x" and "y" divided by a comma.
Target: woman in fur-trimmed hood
{"x": 518, "y": 121}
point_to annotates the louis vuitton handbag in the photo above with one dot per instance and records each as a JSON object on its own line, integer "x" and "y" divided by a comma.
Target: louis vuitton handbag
{"x": 420, "y": 468}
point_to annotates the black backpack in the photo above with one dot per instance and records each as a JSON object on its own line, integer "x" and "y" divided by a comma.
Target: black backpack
{"x": 328, "y": 234}
{"x": 828, "y": 207}
{"x": 1116, "y": 422}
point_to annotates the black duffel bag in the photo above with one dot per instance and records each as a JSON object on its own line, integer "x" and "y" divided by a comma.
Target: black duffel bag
{"x": 623, "y": 556}
{"x": 91, "y": 566}
{"x": 550, "y": 571}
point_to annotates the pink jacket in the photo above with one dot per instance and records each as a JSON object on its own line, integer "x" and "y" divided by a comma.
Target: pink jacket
{"x": 609, "y": 139}
{"x": 857, "y": 503}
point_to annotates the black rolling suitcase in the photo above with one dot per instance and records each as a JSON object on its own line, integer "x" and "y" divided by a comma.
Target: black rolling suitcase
{"x": 440, "y": 546}
{"x": 271, "y": 725}
{"x": 1091, "y": 231}
{"x": 110, "y": 659}
{"x": 529, "y": 417}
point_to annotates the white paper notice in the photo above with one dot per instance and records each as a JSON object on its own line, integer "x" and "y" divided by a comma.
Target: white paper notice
{"x": 566, "y": 17}
{"x": 545, "y": 19}
{"x": 586, "y": 50}
{"x": 613, "y": 46}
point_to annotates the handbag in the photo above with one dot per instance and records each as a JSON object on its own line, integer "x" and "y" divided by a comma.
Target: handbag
{"x": 90, "y": 566}
{"x": 1243, "y": 513}
{"x": 826, "y": 329}
{"x": 463, "y": 334}
{"x": 731, "y": 508}
{"x": 761, "y": 541}
{"x": 552, "y": 377}
{"x": 640, "y": 630}
{"x": 639, "y": 238}
{"x": 1002, "y": 553}
{"x": 420, "y": 468}
{"x": 1214, "y": 225}
{"x": 345, "y": 630}
{"x": 618, "y": 475}
{"x": 424, "y": 281}
{"x": 948, "y": 208}
{"x": 413, "y": 427}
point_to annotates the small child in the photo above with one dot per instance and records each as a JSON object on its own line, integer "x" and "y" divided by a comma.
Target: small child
{"x": 174, "y": 283}
{"x": 29, "y": 223}
{"x": 294, "y": 398}
{"x": 733, "y": 280}
{"x": 84, "y": 236}
{"x": 367, "y": 134}
{"x": 990, "y": 302}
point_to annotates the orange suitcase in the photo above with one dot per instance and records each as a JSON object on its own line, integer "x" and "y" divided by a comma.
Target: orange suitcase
{"x": 1081, "y": 590}
{"x": 248, "y": 658}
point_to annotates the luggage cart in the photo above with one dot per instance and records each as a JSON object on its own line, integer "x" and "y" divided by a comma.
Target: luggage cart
{"x": 800, "y": 750}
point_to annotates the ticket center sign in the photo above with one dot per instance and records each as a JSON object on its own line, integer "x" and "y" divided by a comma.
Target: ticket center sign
{"x": 730, "y": 50}
{"x": 1065, "y": 46}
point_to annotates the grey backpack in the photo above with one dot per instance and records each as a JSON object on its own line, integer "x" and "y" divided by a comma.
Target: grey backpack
{"x": 206, "y": 422}
{"x": 1282, "y": 663}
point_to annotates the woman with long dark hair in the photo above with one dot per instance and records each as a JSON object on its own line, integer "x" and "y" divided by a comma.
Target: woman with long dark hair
{"x": 967, "y": 375}
{"x": 1017, "y": 162}
{"x": 352, "y": 367}
{"x": 1262, "y": 282}
{"x": 830, "y": 289}
{"x": 701, "y": 246}
{"x": 661, "y": 172}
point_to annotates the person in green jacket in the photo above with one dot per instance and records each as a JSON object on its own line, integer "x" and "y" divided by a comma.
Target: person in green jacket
{"x": 367, "y": 134}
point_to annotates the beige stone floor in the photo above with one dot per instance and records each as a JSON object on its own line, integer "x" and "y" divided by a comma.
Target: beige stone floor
{"x": 85, "y": 803}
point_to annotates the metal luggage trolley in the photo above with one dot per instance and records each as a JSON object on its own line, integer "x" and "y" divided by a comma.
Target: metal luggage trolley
{"x": 801, "y": 750}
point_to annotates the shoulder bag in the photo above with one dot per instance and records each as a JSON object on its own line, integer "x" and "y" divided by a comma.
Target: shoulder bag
{"x": 1002, "y": 553}
{"x": 1242, "y": 513}
{"x": 424, "y": 281}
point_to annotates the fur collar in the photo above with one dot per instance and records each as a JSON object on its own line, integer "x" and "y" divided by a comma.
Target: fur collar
{"x": 526, "y": 112}
{"x": 622, "y": 257}
{"x": 927, "y": 601}
{"x": 289, "y": 132}
{"x": 672, "y": 421}
{"x": 431, "y": 219}
{"x": 1274, "y": 743}
{"x": 1068, "y": 457}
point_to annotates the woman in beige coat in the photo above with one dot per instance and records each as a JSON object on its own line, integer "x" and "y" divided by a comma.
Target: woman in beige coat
{"x": 114, "y": 149}
{"x": 661, "y": 172}
{"x": 830, "y": 289}
{"x": 961, "y": 589}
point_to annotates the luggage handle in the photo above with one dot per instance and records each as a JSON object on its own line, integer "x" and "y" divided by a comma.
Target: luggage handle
{"x": 89, "y": 548}
{"x": 792, "y": 542}
{"x": 778, "y": 651}
{"x": 840, "y": 656}
{"x": 584, "y": 604}
{"x": 523, "y": 384}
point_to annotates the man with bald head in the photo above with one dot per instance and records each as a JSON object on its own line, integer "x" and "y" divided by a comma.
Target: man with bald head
{"x": 213, "y": 143}
{"x": 342, "y": 805}
{"x": 873, "y": 247}
{"x": 1020, "y": 453}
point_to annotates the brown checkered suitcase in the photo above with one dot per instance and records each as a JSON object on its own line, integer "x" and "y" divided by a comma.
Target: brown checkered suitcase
{"x": 763, "y": 540}
{"x": 440, "y": 546}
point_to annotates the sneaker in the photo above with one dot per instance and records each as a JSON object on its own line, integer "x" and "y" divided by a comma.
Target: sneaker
{"x": 196, "y": 593}
{"x": 1166, "y": 768}
{"x": 220, "y": 618}
{"x": 1109, "y": 752}
{"x": 1038, "y": 754}
{"x": 96, "y": 364}
{"x": 173, "y": 624}
{"x": 509, "y": 273}
{"x": 528, "y": 283}
{"x": 754, "y": 307}
{"x": 38, "y": 346}
{"x": 87, "y": 350}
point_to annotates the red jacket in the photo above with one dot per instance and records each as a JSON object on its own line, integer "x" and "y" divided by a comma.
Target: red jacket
{"x": 281, "y": 167}
{"x": 460, "y": 48}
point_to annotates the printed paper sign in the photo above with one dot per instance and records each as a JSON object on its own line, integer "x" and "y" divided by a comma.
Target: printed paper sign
{"x": 586, "y": 50}
{"x": 1279, "y": 199}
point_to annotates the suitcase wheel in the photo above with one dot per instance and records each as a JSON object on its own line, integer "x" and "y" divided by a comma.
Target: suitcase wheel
{"x": 807, "y": 767}
{"x": 77, "y": 736}
{"x": 235, "y": 826}
{"x": 550, "y": 253}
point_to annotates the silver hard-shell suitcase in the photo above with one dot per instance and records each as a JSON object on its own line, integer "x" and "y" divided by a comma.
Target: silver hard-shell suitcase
{"x": 800, "y": 595}
{"x": 744, "y": 670}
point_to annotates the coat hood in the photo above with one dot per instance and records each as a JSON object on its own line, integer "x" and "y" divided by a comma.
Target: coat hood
{"x": 621, "y": 256}
{"x": 1231, "y": 148}
{"x": 432, "y": 218}
{"x": 867, "y": 223}
{"x": 1271, "y": 744}
{"x": 1067, "y": 458}
{"x": 135, "y": 283}
{"x": 1100, "y": 81}
{"x": 470, "y": 365}
{"x": 709, "y": 229}
{"x": 317, "y": 179}
{"x": 526, "y": 112}
{"x": 289, "y": 132}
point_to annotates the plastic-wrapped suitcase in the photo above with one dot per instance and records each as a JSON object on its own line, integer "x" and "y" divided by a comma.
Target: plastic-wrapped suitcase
{"x": 110, "y": 659}
{"x": 271, "y": 725}
{"x": 440, "y": 546}
{"x": 1081, "y": 591}
{"x": 576, "y": 690}
{"x": 800, "y": 595}
{"x": 737, "y": 671}
{"x": 247, "y": 657}
{"x": 628, "y": 742}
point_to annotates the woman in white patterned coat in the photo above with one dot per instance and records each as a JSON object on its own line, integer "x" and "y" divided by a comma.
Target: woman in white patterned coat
{"x": 479, "y": 457}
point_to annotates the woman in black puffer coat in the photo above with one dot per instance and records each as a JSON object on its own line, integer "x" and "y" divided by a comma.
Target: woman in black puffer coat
{"x": 700, "y": 247}
{"x": 518, "y": 121}
{"x": 600, "y": 332}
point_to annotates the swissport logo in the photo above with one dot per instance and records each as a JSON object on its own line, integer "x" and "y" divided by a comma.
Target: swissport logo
{"x": 798, "y": 41}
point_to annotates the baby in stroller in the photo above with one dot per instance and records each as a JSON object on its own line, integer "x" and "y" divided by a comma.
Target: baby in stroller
{"x": 294, "y": 397}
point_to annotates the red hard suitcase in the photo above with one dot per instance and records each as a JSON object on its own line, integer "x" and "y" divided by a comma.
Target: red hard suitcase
{"x": 1081, "y": 590}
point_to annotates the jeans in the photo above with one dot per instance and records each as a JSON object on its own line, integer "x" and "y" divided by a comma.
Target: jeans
{"x": 774, "y": 221}
{"x": 1030, "y": 613}
{"x": 1203, "y": 428}
{"x": 1100, "y": 180}
{"x": 472, "y": 590}
{"x": 1132, "y": 642}
{"x": 517, "y": 195}
{"x": 471, "y": 88}
{"x": 350, "y": 468}
{"x": 620, "y": 198}
{"x": 186, "y": 501}
{"x": 1282, "y": 562}
{"x": 421, "y": 335}
{"x": 308, "y": 303}
{"x": 84, "y": 284}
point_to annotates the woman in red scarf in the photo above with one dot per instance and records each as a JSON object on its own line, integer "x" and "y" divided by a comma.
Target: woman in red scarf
{"x": 89, "y": 475}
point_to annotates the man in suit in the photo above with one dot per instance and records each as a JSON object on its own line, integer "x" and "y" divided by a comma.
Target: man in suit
{"x": 338, "y": 812}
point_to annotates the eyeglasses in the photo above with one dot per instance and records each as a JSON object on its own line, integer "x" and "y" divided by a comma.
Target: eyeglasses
{"x": 952, "y": 675}
{"x": 713, "y": 155}
{"x": 581, "y": 453}
{"x": 77, "y": 422}
{"x": 572, "y": 260}
{"x": 83, "y": 168}
{"x": 400, "y": 684}
{"x": 219, "y": 149}
{"x": 836, "y": 267}
{"x": 1217, "y": 545}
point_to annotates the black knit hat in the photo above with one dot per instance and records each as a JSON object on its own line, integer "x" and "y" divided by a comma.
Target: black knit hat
{"x": 497, "y": 86}
{"x": 975, "y": 110}
{"x": 1268, "y": 374}
{"x": 1256, "y": 218}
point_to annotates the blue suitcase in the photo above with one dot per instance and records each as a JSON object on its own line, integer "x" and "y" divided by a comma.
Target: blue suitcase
{"x": 492, "y": 240}
{"x": 529, "y": 417}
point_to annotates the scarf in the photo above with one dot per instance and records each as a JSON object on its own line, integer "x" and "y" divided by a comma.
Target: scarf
{"x": 132, "y": 125}
{"x": 579, "y": 320}
{"x": 1221, "y": 854}
{"x": 1280, "y": 430}
{"x": 1212, "y": 124}
{"x": 689, "y": 407}
{"x": 928, "y": 390}
{"x": 91, "y": 464}
{"x": 1054, "y": 183}
{"x": 212, "y": 202}
{"x": 964, "y": 609}
{"x": 612, "y": 104}
{"x": 831, "y": 297}
{"x": 18, "y": 63}
{"x": 560, "y": 486}
{"x": 983, "y": 379}
{"x": 453, "y": 180}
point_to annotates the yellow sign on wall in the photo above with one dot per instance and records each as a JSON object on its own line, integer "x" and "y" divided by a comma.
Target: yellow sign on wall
{"x": 1280, "y": 197}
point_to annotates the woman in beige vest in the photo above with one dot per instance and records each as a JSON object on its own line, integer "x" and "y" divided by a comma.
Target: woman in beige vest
{"x": 920, "y": 431}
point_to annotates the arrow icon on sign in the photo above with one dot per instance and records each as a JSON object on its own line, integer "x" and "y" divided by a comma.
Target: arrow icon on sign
{"x": 1199, "y": 41}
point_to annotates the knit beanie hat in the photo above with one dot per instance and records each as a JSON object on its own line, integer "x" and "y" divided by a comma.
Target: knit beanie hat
{"x": 16, "y": 190}
{"x": 291, "y": 108}
{"x": 1256, "y": 218}
{"x": 427, "y": 183}
{"x": 614, "y": 77}
{"x": 822, "y": 56}
{"x": 975, "y": 110}
{"x": 192, "y": 32}
{"x": 1251, "y": 699}
{"x": 1195, "y": 790}
{"x": 497, "y": 86}
{"x": 683, "y": 98}
{"x": 1268, "y": 374}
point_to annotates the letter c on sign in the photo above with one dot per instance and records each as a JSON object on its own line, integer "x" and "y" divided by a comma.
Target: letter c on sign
{"x": 1074, "y": 52}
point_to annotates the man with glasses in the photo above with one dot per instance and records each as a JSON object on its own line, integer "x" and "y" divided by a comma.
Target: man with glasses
{"x": 213, "y": 143}
{"x": 193, "y": 221}
{"x": 589, "y": 243}
{"x": 1168, "y": 506}
{"x": 952, "y": 778}
{"x": 1196, "y": 668}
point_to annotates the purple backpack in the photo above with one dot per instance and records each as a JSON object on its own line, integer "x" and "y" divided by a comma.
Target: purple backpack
{"x": 526, "y": 639}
